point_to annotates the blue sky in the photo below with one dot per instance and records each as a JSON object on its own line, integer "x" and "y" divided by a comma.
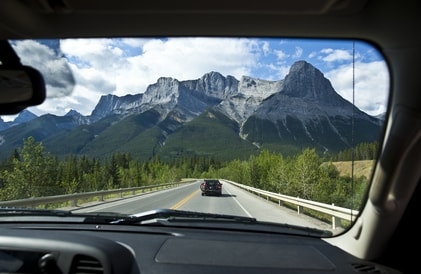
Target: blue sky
{"x": 127, "y": 66}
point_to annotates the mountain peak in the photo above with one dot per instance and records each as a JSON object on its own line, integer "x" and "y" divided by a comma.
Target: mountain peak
{"x": 214, "y": 82}
{"x": 258, "y": 88}
{"x": 24, "y": 116}
{"x": 112, "y": 103}
{"x": 303, "y": 66}
{"x": 307, "y": 82}
{"x": 302, "y": 107}
{"x": 72, "y": 112}
{"x": 212, "y": 74}
{"x": 166, "y": 81}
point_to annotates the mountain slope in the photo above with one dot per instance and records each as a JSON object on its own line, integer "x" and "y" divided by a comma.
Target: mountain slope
{"x": 211, "y": 134}
{"x": 308, "y": 111}
{"x": 213, "y": 116}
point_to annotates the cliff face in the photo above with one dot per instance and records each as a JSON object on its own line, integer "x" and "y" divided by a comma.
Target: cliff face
{"x": 302, "y": 110}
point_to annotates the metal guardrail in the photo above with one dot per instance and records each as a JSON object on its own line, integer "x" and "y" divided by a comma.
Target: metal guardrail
{"x": 337, "y": 213}
{"x": 76, "y": 197}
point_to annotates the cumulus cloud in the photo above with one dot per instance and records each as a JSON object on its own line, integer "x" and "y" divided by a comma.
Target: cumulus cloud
{"x": 298, "y": 52}
{"x": 57, "y": 75}
{"x": 332, "y": 55}
{"x": 367, "y": 84}
{"x": 129, "y": 66}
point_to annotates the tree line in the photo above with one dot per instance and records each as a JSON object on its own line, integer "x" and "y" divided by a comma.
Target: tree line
{"x": 33, "y": 172}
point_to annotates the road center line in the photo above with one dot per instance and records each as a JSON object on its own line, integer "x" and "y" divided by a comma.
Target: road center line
{"x": 185, "y": 200}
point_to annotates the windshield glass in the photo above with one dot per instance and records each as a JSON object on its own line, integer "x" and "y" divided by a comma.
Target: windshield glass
{"x": 288, "y": 129}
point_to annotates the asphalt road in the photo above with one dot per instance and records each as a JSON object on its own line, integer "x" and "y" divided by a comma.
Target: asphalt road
{"x": 233, "y": 201}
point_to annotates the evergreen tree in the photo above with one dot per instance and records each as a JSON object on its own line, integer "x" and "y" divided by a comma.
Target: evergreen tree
{"x": 31, "y": 175}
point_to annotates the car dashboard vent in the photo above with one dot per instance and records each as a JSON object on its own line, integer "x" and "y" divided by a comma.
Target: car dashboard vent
{"x": 369, "y": 268}
{"x": 86, "y": 264}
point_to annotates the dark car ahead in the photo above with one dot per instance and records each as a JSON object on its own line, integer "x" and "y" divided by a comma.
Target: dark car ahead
{"x": 211, "y": 187}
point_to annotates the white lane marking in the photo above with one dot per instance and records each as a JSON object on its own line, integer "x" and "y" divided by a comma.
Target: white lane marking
{"x": 242, "y": 207}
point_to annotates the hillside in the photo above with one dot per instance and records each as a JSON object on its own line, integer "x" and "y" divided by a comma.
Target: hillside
{"x": 214, "y": 116}
{"x": 361, "y": 168}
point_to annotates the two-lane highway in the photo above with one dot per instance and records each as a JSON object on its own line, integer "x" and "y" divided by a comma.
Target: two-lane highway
{"x": 233, "y": 201}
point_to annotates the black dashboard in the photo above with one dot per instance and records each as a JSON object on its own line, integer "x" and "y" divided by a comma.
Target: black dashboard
{"x": 89, "y": 248}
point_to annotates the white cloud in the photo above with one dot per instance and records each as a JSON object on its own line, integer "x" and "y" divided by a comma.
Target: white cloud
{"x": 181, "y": 59}
{"x": 298, "y": 52}
{"x": 371, "y": 85}
{"x": 281, "y": 55}
{"x": 48, "y": 61}
{"x": 333, "y": 55}
{"x": 128, "y": 66}
{"x": 266, "y": 48}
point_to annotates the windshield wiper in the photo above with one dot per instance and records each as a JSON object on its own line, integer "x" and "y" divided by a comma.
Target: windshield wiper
{"x": 90, "y": 217}
{"x": 7, "y": 211}
{"x": 172, "y": 217}
{"x": 172, "y": 214}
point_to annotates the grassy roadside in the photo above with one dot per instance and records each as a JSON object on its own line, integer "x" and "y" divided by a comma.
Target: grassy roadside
{"x": 361, "y": 168}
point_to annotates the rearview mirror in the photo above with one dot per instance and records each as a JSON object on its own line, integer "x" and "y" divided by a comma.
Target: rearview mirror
{"x": 20, "y": 87}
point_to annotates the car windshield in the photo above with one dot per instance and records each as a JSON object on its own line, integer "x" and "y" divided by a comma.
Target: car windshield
{"x": 289, "y": 127}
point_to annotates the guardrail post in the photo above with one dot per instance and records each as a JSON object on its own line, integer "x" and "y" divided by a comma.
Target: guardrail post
{"x": 121, "y": 193}
{"x": 32, "y": 205}
{"x": 300, "y": 208}
{"x": 335, "y": 222}
{"x": 74, "y": 203}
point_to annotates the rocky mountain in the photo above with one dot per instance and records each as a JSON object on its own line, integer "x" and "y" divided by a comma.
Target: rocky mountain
{"x": 215, "y": 116}
{"x": 23, "y": 117}
{"x": 307, "y": 110}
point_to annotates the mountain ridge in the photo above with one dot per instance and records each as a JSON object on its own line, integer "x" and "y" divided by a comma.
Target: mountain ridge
{"x": 267, "y": 114}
